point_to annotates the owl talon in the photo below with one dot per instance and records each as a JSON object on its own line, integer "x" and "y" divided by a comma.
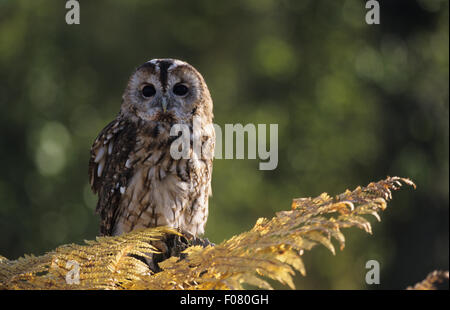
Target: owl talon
{"x": 202, "y": 242}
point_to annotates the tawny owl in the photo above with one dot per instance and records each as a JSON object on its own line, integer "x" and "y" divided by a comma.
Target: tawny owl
{"x": 138, "y": 182}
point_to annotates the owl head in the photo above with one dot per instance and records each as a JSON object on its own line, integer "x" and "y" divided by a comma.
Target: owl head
{"x": 166, "y": 91}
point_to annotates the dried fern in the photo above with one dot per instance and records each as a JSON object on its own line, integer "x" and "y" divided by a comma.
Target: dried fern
{"x": 106, "y": 263}
{"x": 271, "y": 249}
{"x": 431, "y": 281}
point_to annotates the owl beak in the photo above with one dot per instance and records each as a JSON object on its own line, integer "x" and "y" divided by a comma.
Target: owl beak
{"x": 164, "y": 104}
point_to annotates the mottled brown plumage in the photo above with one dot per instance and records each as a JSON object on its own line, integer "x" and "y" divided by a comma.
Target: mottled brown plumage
{"x": 138, "y": 181}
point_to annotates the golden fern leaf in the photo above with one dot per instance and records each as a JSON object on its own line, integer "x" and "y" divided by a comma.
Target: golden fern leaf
{"x": 106, "y": 263}
{"x": 430, "y": 282}
{"x": 271, "y": 249}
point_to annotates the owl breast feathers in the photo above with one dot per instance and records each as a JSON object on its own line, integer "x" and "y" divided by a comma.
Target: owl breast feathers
{"x": 138, "y": 182}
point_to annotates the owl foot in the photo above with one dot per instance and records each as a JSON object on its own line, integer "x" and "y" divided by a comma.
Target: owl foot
{"x": 204, "y": 242}
{"x": 173, "y": 245}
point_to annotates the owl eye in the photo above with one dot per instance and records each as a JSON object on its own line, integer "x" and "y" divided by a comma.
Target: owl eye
{"x": 148, "y": 91}
{"x": 180, "y": 89}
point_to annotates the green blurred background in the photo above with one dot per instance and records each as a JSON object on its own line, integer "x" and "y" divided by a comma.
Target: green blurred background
{"x": 354, "y": 103}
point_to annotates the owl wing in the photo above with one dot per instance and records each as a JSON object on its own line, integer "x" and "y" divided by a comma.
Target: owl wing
{"x": 109, "y": 169}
